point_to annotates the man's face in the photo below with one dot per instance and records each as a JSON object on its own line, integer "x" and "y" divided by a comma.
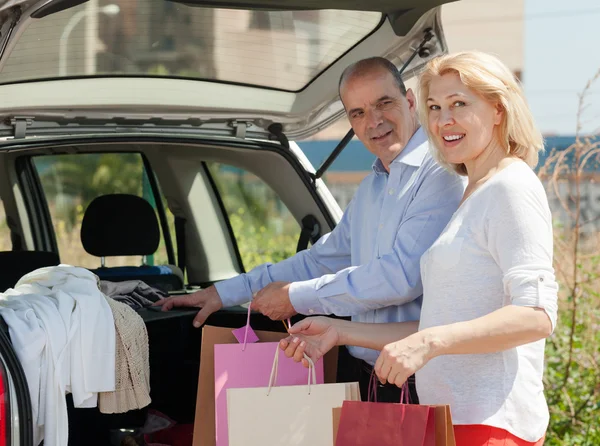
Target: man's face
{"x": 381, "y": 117}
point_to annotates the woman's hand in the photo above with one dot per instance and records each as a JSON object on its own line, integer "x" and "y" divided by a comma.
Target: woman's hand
{"x": 401, "y": 359}
{"x": 314, "y": 336}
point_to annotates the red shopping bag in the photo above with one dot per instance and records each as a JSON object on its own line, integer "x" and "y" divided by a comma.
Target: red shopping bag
{"x": 383, "y": 424}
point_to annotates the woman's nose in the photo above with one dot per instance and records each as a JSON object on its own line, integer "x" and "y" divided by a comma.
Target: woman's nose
{"x": 446, "y": 118}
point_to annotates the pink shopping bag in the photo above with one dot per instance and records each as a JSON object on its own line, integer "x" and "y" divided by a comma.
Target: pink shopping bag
{"x": 249, "y": 365}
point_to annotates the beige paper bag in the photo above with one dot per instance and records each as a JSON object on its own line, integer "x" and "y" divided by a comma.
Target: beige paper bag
{"x": 287, "y": 415}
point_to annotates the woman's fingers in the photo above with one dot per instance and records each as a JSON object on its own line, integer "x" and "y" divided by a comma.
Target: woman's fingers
{"x": 294, "y": 348}
{"x": 299, "y": 354}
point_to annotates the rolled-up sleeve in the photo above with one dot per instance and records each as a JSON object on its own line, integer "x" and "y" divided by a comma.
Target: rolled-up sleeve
{"x": 520, "y": 239}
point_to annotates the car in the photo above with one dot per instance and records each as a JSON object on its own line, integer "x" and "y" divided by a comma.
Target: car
{"x": 157, "y": 140}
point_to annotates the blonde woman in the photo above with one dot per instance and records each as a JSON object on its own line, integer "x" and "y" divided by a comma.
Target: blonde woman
{"x": 490, "y": 295}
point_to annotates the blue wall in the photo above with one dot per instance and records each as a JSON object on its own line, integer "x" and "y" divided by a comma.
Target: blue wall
{"x": 355, "y": 158}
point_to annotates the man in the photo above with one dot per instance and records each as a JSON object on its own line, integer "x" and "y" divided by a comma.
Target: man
{"x": 368, "y": 266}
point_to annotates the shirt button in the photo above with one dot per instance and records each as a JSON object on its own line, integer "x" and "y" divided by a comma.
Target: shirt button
{"x": 311, "y": 311}
{"x": 541, "y": 279}
{"x": 391, "y": 191}
{"x": 381, "y": 226}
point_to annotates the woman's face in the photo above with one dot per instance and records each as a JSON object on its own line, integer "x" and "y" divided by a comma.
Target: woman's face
{"x": 461, "y": 121}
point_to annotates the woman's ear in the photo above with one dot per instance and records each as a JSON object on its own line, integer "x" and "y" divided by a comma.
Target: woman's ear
{"x": 499, "y": 114}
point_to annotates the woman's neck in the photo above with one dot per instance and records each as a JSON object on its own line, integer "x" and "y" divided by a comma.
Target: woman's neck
{"x": 493, "y": 159}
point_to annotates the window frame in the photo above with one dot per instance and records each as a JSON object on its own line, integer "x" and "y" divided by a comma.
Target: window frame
{"x": 225, "y": 215}
{"x": 38, "y": 211}
{"x": 223, "y": 210}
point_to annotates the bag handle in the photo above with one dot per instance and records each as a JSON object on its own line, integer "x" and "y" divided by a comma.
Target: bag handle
{"x": 247, "y": 325}
{"x": 273, "y": 378}
{"x": 372, "y": 395}
{"x": 247, "y": 328}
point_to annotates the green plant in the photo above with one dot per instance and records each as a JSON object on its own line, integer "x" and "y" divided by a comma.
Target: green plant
{"x": 572, "y": 377}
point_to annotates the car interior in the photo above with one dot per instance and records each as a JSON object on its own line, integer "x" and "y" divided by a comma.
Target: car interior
{"x": 123, "y": 225}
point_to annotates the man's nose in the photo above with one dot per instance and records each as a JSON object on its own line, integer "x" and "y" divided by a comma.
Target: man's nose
{"x": 374, "y": 118}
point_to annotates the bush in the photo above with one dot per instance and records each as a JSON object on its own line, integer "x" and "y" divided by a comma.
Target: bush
{"x": 572, "y": 377}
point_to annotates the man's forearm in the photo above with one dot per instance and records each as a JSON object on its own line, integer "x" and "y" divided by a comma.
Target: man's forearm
{"x": 373, "y": 336}
{"x": 500, "y": 330}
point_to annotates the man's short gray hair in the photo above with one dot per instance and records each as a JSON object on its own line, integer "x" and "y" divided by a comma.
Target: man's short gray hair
{"x": 367, "y": 65}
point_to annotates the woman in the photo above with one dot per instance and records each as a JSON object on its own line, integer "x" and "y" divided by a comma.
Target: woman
{"x": 490, "y": 296}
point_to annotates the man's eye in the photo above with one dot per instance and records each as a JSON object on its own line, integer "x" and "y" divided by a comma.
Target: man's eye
{"x": 384, "y": 104}
{"x": 356, "y": 115}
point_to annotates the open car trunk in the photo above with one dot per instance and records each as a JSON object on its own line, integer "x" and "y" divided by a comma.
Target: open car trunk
{"x": 174, "y": 368}
{"x": 179, "y": 166}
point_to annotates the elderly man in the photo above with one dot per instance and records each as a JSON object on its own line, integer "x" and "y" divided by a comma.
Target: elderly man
{"x": 368, "y": 266}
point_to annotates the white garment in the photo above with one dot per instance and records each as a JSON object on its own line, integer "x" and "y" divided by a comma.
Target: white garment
{"x": 496, "y": 251}
{"x": 63, "y": 333}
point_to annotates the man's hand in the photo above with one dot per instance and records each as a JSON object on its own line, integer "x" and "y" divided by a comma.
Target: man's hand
{"x": 274, "y": 301}
{"x": 314, "y": 336}
{"x": 208, "y": 300}
{"x": 399, "y": 360}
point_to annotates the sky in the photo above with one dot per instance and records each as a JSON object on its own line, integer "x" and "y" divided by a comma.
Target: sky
{"x": 562, "y": 53}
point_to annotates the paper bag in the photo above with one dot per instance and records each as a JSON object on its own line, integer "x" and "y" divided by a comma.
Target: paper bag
{"x": 204, "y": 422}
{"x": 336, "y": 414}
{"x": 444, "y": 430}
{"x": 288, "y": 415}
{"x": 246, "y": 366}
{"x": 385, "y": 424}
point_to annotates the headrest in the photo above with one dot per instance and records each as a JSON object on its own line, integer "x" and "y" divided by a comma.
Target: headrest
{"x": 15, "y": 264}
{"x": 120, "y": 225}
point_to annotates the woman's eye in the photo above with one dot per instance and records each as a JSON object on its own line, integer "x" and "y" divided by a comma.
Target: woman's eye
{"x": 459, "y": 104}
{"x": 434, "y": 107}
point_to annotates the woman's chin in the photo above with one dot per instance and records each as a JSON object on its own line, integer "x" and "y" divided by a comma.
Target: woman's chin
{"x": 452, "y": 158}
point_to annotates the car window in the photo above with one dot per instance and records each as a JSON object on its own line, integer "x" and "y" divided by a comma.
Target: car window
{"x": 5, "y": 242}
{"x": 264, "y": 228}
{"x": 71, "y": 182}
{"x": 276, "y": 49}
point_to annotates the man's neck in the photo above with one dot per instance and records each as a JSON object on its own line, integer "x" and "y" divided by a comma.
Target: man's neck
{"x": 386, "y": 165}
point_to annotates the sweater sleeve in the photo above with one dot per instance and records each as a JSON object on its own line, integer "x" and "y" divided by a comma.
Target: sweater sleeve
{"x": 520, "y": 239}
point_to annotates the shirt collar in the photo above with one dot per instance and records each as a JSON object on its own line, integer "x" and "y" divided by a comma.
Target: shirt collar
{"x": 412, "y": 155}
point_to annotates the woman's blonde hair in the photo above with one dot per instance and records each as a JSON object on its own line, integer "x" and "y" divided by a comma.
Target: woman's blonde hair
{"x": 491, "y": 79}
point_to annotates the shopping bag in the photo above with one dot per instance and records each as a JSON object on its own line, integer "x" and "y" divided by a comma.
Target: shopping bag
{"x": 368, "y": 423}
{"x": 299, "y": 415}
{"x": 364, "y": 423}
{"x": 336, "y": 413}
{"x": 249, "y": 365}
{"x": 444, "y": 430}
{"x": 385, "y": 424}
{"x": 204, "y": 422}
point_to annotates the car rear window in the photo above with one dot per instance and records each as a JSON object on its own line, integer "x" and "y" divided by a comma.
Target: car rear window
{"x": 284, "y": 50}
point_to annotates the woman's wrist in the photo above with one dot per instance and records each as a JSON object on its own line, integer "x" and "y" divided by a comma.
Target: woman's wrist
{"x": 435, "y": 340}
{"x": 341, "y": 328}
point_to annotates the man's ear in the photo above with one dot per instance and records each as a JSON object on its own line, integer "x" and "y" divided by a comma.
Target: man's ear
{"x": 412, "y": 100}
